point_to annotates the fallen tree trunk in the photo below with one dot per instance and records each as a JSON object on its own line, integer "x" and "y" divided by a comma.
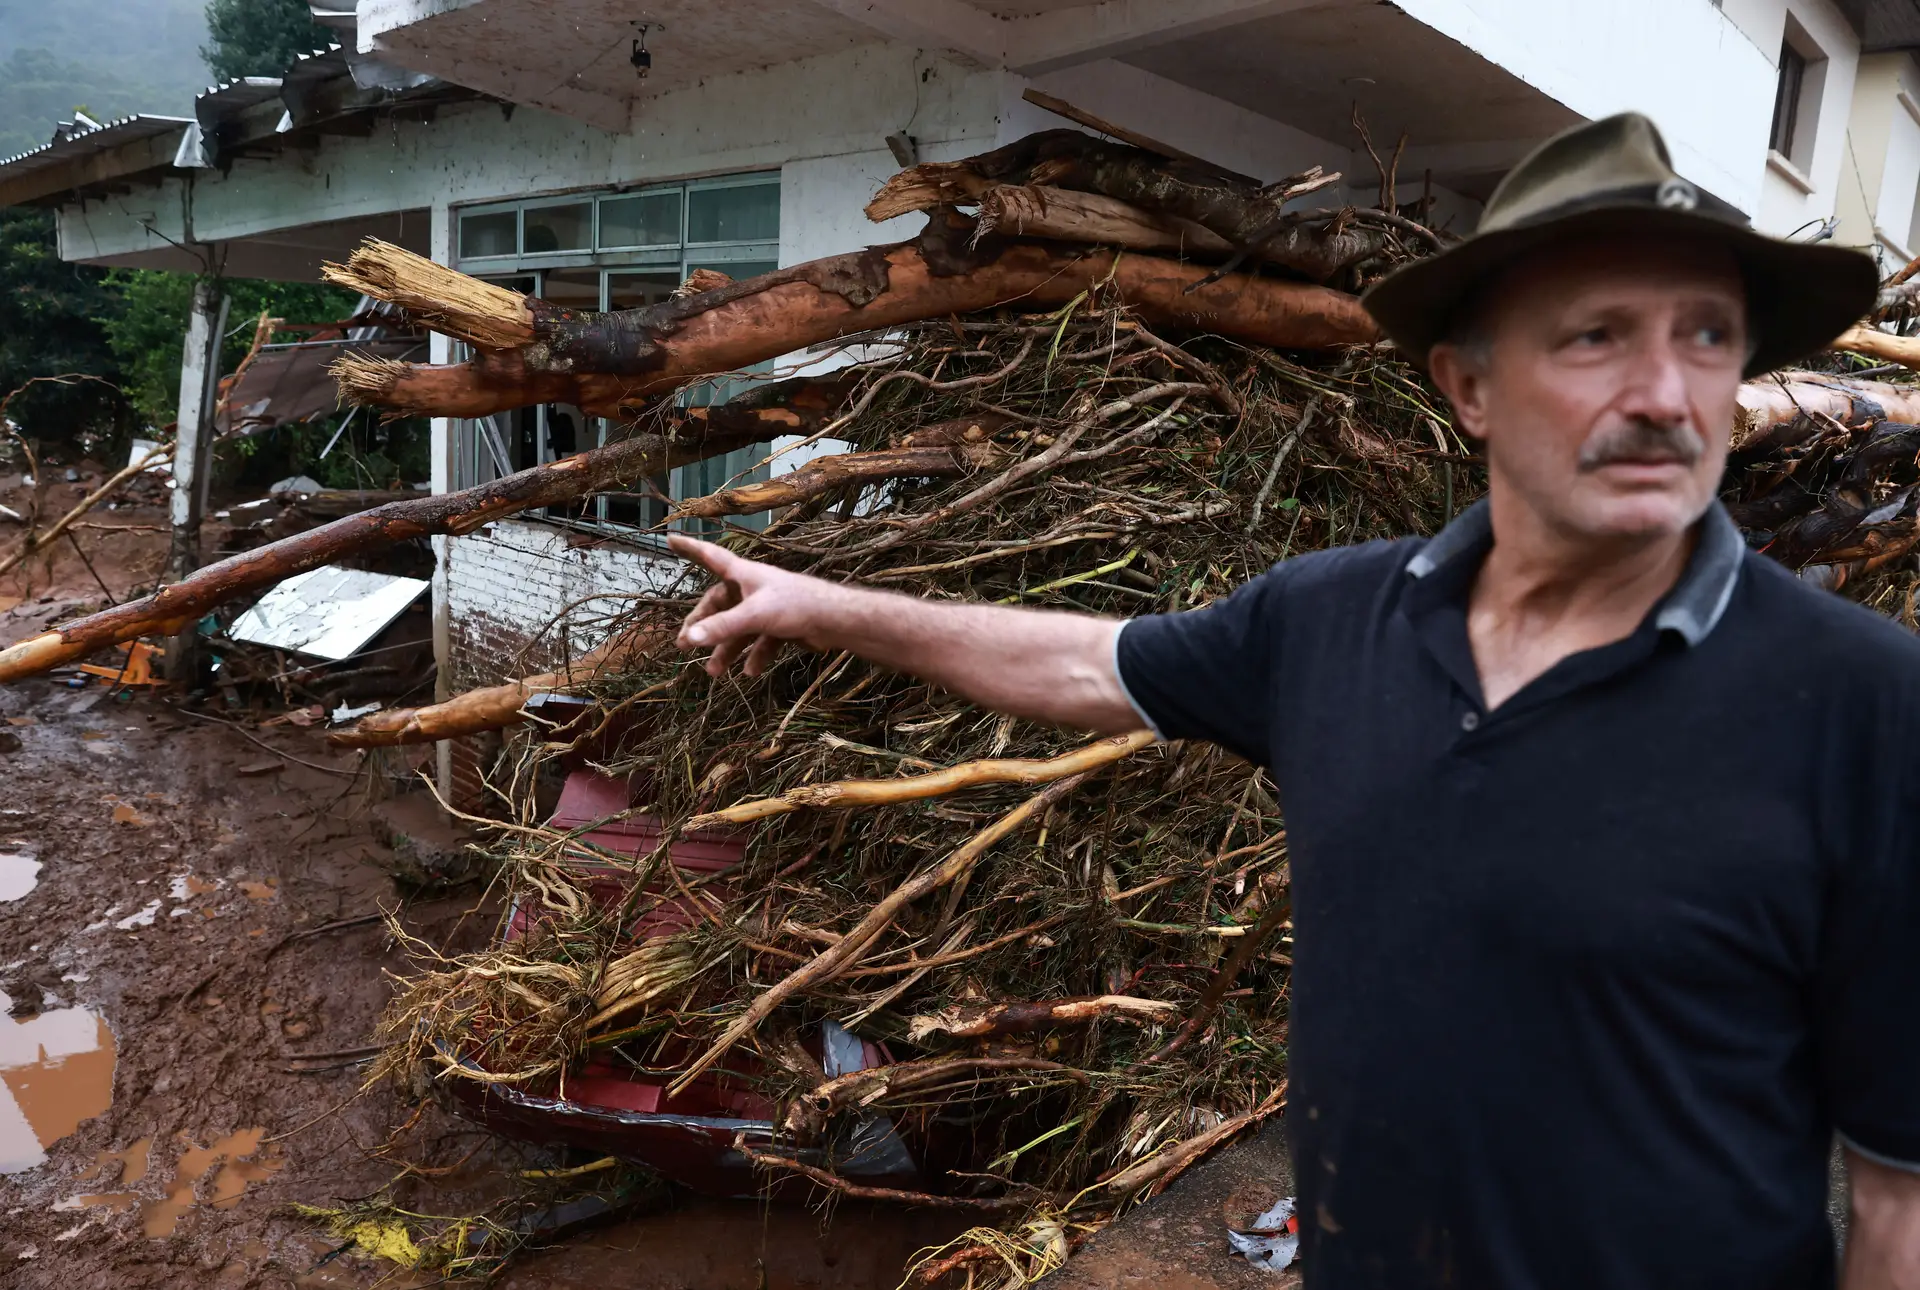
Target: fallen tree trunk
{"x": 612, "y": 364}
{"x": 1770, "y": 401}
{"x": 1874, "y": 343}
{"x": 1061, "y": 214}
{"x": 703, "y": 433}
{"x": 1065, "y": 215}
{"x": 495, "y": 706}
{"x": 936, "y": 452}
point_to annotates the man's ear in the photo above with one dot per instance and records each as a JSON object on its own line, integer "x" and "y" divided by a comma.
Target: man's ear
{"x": 1462, "y": 377}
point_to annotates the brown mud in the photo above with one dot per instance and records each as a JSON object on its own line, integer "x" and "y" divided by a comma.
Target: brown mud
{"x": 173, "y": 949}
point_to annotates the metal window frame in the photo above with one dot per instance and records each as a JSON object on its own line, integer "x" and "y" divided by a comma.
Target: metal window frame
{"x": 479, "y": 449}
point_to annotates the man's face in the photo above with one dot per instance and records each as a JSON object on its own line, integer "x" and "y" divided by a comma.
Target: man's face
{"x": 1604, "y": 390}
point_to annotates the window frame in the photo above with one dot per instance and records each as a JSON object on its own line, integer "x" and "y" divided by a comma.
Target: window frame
{"x": 476, "y": 460}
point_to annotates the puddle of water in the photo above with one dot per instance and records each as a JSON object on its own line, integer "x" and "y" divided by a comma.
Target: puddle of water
{"x": 241, "y": 1162}
{"x": 126, "y": 1167}
{"x": 143, "y": 917}
{"x": 18, "y": 875}
{"x": 56, "y": 1071}
{"x": 185, "y": 886}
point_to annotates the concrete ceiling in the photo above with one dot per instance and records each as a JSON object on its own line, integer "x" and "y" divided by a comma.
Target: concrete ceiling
{"x": 578, "y": 63}
{"x": 1465, "y": 118}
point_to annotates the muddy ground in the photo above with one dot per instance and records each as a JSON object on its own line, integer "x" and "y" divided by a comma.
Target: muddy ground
{"x": 200, "y": 924}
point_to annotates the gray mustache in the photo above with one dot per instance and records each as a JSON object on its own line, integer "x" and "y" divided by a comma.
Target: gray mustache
{"x": 1640, "y": 441}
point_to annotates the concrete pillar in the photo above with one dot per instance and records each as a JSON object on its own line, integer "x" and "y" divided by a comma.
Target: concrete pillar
{"x": 193, "y": 451}
{"x": 440, "y": 350}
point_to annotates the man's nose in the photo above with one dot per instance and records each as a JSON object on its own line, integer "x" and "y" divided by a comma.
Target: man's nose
{"x": 1657, "y": 387}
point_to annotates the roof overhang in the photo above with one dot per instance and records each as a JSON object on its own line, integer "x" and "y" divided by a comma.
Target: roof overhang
{"x": 327, "y": 92}
{"x": 1884, "y": 24}
{"x": 102, "y": 158}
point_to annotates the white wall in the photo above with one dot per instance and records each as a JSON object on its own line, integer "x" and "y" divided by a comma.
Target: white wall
{"x": 1699, "y": 73}
{"x": 1793, "y": 196}
{"x": 838, "y": 106}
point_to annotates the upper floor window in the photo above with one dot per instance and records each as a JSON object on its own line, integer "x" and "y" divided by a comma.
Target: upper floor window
{"x": 1786, "y": 100}
{"x": 1797, "y": 93}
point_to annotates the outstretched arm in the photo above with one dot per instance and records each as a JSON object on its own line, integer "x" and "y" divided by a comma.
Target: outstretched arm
{"x": 1038, "y": 664}
{"x": 1883, "y": 1236}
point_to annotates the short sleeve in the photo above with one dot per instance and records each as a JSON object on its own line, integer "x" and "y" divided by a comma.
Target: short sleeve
{"x": 1867, "y": 1004}
{"x": 1208, "y": 673}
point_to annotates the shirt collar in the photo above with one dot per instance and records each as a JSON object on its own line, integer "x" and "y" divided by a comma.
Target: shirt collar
{"x": 1692, "y": 609}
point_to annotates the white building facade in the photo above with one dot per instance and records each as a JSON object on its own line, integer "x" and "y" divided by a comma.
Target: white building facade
{"x": 517, "y": 140}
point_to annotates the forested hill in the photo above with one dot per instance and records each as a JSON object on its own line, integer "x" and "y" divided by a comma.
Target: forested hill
{"x": 110, "y": 57}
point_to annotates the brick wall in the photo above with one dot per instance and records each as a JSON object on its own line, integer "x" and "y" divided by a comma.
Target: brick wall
{"x": 508, "y": 583}
{"x": 505, "y": 588}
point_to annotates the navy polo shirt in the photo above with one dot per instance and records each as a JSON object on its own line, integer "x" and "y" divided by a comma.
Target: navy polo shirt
{"x": 1582, "y": 986}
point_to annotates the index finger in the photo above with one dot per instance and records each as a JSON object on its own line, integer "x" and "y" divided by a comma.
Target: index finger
{"x": 716, "y": 560}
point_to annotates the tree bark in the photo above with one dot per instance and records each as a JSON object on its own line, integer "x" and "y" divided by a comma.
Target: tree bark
{"x": 495, "y": 706}
{"x": 938, "y": 451}
{"x": 704, "y": 432}
{"x": 1874, "y": 343}
{"x": 1770, "y": 402}
{"x": 913, "y": 788}
{"x": 612, "y": 364}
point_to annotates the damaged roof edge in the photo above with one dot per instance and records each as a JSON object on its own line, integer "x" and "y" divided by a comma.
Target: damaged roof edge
{"x": 323, "y": 86}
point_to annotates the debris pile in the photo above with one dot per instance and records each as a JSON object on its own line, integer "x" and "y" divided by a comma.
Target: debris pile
{"x": 956, "y": 959}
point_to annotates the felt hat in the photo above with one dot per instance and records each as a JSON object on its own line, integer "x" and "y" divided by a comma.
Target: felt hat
{"x": 1612, "y": 176}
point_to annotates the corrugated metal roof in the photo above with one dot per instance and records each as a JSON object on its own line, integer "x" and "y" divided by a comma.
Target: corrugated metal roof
{"x": 80, "y": 143}
{"x": 235, "y": 96}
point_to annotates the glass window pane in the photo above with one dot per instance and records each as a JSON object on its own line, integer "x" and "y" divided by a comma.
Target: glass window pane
{"x": 748, "y": 214}
{"x": 572, "y": 289}
{"x": 560, "y": 228}
{"x": 652, "y": 219}
{"x": 490, "y": 234}
{"x": 635, "y": 290}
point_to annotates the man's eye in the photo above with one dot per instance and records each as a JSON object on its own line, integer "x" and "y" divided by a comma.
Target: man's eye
{"x": 1592, "y": 336}
{"x": 1713, "y": 336}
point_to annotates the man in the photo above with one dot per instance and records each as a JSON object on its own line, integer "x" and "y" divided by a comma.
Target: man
{"x": 1605, "y": 833}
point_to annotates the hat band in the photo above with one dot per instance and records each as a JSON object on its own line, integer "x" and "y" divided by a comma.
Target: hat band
{"x": 1675, "y": 195}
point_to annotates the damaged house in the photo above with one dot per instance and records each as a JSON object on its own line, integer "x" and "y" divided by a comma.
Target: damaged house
{"x": 599, "y": 155}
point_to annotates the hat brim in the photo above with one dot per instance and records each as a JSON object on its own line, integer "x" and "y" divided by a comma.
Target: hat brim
{"x": 1800, "y": 296}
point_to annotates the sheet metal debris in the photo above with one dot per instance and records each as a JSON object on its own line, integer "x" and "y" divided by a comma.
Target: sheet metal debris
{"x": 330, "y": 612}
{"x": 1274, "y": 1241}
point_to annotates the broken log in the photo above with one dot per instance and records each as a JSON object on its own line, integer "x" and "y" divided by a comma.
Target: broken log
{"x": 495, "y": 706}
{"x": 888, "y": 792}
{"x": 1874, "y": 343}
{"x": 1061, "y": 214}
{"x": 1244, "y": 214}
{"x": 936, "y": 452}
{"x": 985, "y": 1021}
{"x": 1770, "y": 401}
{"x": 610, "y": 364}
{"x": 701, "y": 433}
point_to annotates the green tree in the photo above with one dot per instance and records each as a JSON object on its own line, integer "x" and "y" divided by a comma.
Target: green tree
{"x": 148, "y": 322}
{"x": 259, "y": 37}
{"x": 53, "y": 315}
